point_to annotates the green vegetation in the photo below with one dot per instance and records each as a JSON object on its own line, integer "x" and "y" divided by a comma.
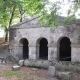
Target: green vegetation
{"x": 15, "y": 11}
{"x": 11, "y": 74}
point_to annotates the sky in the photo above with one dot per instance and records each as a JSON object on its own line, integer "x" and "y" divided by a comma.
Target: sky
{"x": 65, "y": 6}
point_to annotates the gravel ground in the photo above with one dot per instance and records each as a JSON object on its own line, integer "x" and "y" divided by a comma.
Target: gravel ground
{"x": 27, "y": 73}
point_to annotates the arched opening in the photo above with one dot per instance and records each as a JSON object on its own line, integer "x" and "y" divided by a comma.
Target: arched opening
{"x": 65, "y": 49}
{"x": 25, "y": 48}
{"x": 43, "y": 49}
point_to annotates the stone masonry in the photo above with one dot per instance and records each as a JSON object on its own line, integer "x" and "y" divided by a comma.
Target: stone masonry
{"x": 34, "y": 32}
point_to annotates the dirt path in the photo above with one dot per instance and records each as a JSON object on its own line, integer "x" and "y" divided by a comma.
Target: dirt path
{"x": 25, "y": 73}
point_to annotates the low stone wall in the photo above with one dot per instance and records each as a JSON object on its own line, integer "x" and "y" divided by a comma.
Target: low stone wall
{"x": 37, "y": 63}
{"x": 67, "y": 66}
{"x": 60, "y": 66}
{"x": 7, "y": 59}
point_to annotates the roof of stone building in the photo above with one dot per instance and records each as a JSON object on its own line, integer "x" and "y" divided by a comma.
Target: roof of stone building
{"x": 33, "y": 23}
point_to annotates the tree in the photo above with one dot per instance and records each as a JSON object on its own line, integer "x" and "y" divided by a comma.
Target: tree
{"x": 7, "y": 9}
{"x": 50, "y": 16}
{"x": 16, "y": 9}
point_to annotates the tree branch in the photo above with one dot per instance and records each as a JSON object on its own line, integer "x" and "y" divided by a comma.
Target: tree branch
{"x": 12, "y": 14}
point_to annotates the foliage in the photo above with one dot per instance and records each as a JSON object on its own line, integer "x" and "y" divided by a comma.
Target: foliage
{"x": 22, "y": 8}
{"x": 7, "y": 10}
{"x": 51, "y": 18}
{"x": 11, "y": 74}
{"x": 15, "y": 11}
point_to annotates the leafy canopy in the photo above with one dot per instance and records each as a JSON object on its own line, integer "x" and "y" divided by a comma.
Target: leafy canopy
{"x": 50, "y": 11}
{"x": 51, "y": 16}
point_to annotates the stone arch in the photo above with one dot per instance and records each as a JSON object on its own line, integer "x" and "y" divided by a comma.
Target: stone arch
{"x": 25, "y": 49}
{"x": 42, "y": 48}
{"x": 64, "y": 49}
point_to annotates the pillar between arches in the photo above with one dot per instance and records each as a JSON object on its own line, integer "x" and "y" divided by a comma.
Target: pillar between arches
{"x": 52, "y": 53}
{"x": 37, "y": 51}
{"x": 75, "y": 55}
{"x": 32, "y": 52}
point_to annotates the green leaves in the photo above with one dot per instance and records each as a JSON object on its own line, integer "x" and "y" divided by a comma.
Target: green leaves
{"x": 51, "y": 18}
{"x": 33, "y": 7}
{"x": 50, "y": 11}
{"x": 69, "y": 19}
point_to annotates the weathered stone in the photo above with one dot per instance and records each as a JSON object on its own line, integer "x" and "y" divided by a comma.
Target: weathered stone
{"x": 15, "y": 68}
{"x": 51, "y": 71}
{"x": 45, "y": 64}
{"x": 65, "y": 76}
{"x": 34, "y": 69}
{"x": 34, "y": 33}
{"x": 11, "y": 58}
{"x": 2, "y": 60}
{"x": 27, "y": 62}
{"x": 37, "y": 63}
{"x": 21, "y": 62}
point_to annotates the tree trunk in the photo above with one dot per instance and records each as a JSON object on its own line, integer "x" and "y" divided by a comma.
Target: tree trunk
{"x": 6, "y": 37}
{"x": 12, "y": 14}
{"x": 6, "y": 34}
{"x": 21, "y": 19}
{"x": 7, "y": 29}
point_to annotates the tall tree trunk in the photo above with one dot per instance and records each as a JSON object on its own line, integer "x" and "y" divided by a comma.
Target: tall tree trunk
{"x": 12, "y": 14}
{"x": 6, "y": 37}
{"x": 7, "y": 29}
{"x": 6, "y": 34}
{"x": 10, "y": 21}
{"x": 21, "y": 19}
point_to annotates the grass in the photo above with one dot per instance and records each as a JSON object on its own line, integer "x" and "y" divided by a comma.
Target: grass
{"x": 17, "y": 75}
{"x": 11, "y": 74}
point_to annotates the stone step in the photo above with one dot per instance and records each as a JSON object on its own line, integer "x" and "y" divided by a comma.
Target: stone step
{"x": 15, "y": 68}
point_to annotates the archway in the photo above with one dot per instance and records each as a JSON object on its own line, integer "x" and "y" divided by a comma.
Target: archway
{"x": 43, "y": 49}
{"x": 65, "y": 49}
{"x": 25, "y": 48}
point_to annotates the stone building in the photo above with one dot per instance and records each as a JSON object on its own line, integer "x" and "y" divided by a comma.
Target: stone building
{"x": 29, "y": 40}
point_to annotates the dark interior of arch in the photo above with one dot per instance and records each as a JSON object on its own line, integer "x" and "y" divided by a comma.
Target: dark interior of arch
{"x": 25, "y": 49}
{"x": 43, "y": 51}
{"x": 65, "y": 49}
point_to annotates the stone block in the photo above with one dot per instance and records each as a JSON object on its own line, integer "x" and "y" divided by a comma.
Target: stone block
{"x": 65, "y": 76}
{"x": 37, "y": 63}
{"x": 51, "y": 71}
{"x": 21, "y": 62}
{"x": 34, "y": 69}
{"x": 27, "y": 62}
{"x": 15, "y": 68}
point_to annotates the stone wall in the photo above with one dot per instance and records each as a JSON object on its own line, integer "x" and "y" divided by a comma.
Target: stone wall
{"x": 34, "y": 32}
